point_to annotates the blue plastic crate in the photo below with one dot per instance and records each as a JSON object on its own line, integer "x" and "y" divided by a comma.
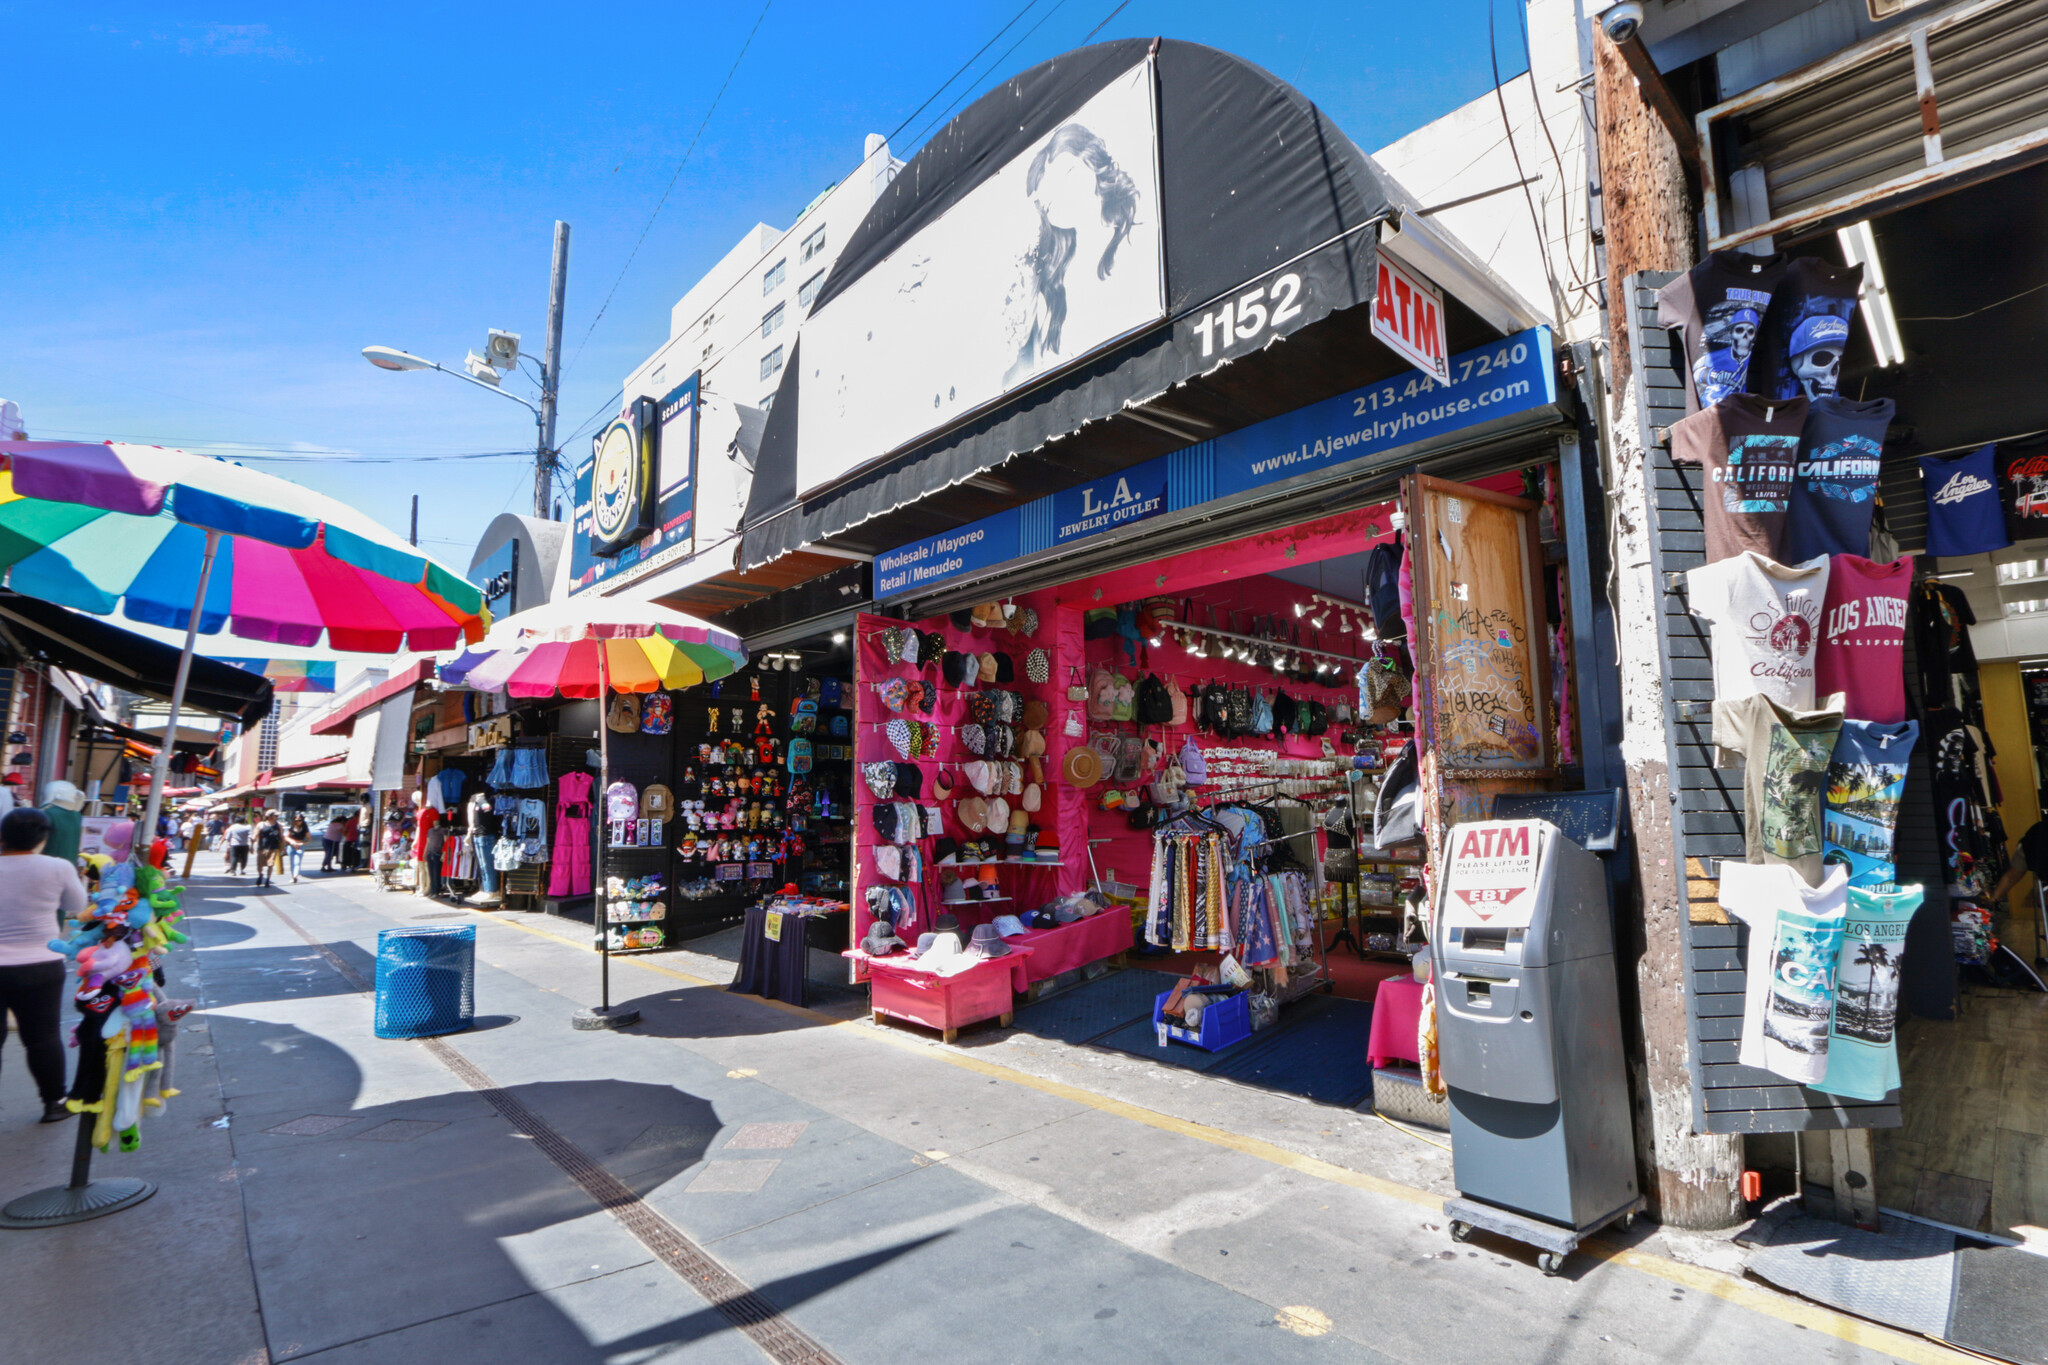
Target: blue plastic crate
{"x": 1224, "y": 1022}
{"x": 426, "y": 980}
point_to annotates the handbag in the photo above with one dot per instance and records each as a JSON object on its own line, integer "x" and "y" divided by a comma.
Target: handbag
{"x": 1077, "y": 690}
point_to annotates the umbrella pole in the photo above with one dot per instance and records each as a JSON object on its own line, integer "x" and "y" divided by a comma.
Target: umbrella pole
{"x": 604, "y": 1016}
{"x": 160, "y": 771}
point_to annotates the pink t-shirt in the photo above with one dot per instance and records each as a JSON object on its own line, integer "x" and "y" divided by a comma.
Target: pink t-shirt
{"x": 1863, "y": 637}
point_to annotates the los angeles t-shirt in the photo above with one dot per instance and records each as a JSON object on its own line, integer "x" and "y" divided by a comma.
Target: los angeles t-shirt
{"x": 1795, "y": 938}
{"x": 1719, "y": 306}
{"x": 1749, "y": 448}
{"x": 1863, "y": 1047}
{"x": 1866, "y": 778}
{"x": 1806, "y": 330}
{"x": 1785, "y": 767}
{"x": 1862, "y": 651}
{"x": 1834, "y": 490}
{"x": 1964, "y": 516}
{"x": 1765, "y": 619}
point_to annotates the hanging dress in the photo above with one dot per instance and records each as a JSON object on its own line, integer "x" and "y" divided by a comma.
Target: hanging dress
{"x": 570, "y": 872}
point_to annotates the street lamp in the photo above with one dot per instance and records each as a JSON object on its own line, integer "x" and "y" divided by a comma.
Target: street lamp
{"x": 501, "y": 354}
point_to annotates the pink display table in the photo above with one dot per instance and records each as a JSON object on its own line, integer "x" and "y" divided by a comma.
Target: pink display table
{"x": 1068, "y": 946}
{"x": 1396, "y": 1011}
{"x": 900, "y": 989}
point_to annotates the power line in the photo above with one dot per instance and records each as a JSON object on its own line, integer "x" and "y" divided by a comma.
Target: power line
{"x": 964, "y": 65}
{"x": 307, "y": 454}
{"x": 662, "y": 202}
{"x": 1111, "y": 15}
{"x": 996, "y": 65}
{"x": 1507, "y": 125}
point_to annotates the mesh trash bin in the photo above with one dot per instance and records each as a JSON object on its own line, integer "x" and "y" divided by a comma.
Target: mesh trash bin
{"x": 426, "y": 981}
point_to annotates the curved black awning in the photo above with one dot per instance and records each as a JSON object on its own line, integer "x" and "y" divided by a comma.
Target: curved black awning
{"x": 1255, "y": 184}
{"x": 135, "y": 663}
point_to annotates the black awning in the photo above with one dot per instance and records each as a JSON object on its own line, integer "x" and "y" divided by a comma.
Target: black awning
{"x": 121, "y": 658}
{"x": 1254, "y": 182}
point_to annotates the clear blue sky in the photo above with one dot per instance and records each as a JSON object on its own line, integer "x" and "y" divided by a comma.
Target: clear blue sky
{"x": 209, "y": 214}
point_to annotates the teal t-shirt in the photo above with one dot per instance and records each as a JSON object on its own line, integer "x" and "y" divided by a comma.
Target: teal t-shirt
{"x": 1863, "y": 1044}
{"x": 67, "y": 828}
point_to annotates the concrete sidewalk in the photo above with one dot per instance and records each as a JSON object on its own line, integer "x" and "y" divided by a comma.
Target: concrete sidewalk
{"x": 780, "y": 1185}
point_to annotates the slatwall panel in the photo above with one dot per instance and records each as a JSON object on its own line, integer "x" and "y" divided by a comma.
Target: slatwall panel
{"x": 1707, "y": 825}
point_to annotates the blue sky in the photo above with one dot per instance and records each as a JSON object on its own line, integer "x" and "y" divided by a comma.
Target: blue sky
{"x": 210, "y": 214}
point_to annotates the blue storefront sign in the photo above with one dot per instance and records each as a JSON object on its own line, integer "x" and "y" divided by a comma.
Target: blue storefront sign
{"x": 1501, "y": 380}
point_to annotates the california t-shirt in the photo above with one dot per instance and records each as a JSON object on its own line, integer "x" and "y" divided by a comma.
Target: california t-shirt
{"x": 1795, "y": 937}
{"x": 2023, "y": 486}
{"x": 1749, "y": 450}
{"x": 1862, "y": 651}
{"x": 1765, "y": 619}
{"x": 1784, "y": 774}
{"x": 1719, "y": 307}
{"x": 1806, "y": 330}
{"x": 1964, "y": 516}
{"x": 1834, "y": 490}
{"x": 1866, "y": 778}
{"x": 1863, "y": 1046}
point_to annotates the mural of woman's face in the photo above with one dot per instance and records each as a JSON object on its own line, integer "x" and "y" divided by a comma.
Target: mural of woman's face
{"x": 1066, "y": 194}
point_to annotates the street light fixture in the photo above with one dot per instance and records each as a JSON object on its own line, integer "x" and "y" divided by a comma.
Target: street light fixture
{"x": 501, "y": 353}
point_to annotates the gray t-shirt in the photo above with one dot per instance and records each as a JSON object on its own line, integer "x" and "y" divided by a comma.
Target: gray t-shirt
{"x": 35, "y": 891}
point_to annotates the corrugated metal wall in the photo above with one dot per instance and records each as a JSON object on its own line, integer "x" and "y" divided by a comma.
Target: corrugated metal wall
{"x": 1728, "y": 1097}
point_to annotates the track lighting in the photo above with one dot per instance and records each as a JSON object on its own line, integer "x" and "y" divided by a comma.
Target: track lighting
{"x": 1300, "y": 610}
{"x": 1316, "y": 621}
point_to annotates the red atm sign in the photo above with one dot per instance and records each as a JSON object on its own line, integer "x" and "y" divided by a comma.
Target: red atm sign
{"x": 1408, "y": 315}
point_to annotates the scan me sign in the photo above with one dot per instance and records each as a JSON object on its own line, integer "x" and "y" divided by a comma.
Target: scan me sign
{"x": 1509, "y": 377}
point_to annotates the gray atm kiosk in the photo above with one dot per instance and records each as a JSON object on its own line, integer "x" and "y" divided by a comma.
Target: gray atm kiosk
{"x": 1529, "y": 1038}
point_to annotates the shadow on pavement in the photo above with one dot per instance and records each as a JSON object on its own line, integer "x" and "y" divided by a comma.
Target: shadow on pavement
{"x": 712, "y": 1012}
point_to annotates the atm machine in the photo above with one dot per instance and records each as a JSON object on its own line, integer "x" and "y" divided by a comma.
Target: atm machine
{"x": 1529, "y": 1038}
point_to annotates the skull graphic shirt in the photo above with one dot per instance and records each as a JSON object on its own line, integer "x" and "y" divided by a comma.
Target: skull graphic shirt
{"x": 1718, "y": 307}
{"x": 1765, "y": 620}
{"x": 1964, "y": 516}
{"x": 1805, "y": 330}
{"x": 1834, "y": 490}
{"x": 1749, "y": 450}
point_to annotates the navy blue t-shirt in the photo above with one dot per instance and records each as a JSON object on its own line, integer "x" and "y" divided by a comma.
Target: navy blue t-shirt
{"x": 1963, "y": 512}
{"x": 1834, "y": 488}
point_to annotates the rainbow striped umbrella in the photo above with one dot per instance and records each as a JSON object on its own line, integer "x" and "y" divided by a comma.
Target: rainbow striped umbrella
{"x": 584, "y": 647}
{"x": 127, "y": 528}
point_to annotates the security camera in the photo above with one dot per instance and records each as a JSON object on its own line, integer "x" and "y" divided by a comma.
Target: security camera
{"x": 1622, "y": 21}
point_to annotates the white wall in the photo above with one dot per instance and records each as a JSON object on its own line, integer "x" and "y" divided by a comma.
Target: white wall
{"x": 1473, "y": 148}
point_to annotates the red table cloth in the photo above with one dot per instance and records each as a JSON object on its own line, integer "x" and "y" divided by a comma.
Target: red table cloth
{"x": 1396, "y": 1011}
{"x": 1067, "y": 946}
{"x": 1018, "y": 961}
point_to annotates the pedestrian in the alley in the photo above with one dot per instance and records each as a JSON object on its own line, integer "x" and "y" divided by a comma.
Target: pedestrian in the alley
{"x": 269, "y": 848}
{"x": 36, "y": 893}
{"x": 432, "y": 844}
{"x": 296, "y": 836}
{"x": 216, "y": 828}
{"x": 236, "y": 839}
{"x": 330, "y": 842}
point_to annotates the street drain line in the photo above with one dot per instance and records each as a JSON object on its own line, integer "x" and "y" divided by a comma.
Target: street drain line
{"x": 763, "y": 1323}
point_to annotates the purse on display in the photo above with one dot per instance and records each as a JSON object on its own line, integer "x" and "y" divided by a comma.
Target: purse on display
{"x": 1077, "y": 690}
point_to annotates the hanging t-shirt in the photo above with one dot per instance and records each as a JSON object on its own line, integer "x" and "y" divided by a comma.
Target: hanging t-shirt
{"x": 1942, "y": 618}
{"x": 1795, "y": 937}
{"x": 1719, "y": 306}
{"x": 1866, "y": 778}
{"x": 2023, "y": 488}
{"x": 1785, "y": 773}
{"x": 1863, "y": 1049}
{"x": 1749, "y": 448}
{"x": 1862, "y": 651}
{"x": 1964, "y": 516}
{"x": 1766, "y": 619}
{"x": 1806, "y": 330}
{"x": 1834, "y": 490}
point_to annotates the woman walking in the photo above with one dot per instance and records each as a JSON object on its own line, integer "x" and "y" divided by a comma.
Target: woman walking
{"x": 269, "y": 847}
{"x": 36, "y": 893}
{"x": 296, "y": 836}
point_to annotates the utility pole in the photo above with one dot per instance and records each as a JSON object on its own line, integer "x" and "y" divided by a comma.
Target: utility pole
{"x": 551, "y": 374}
{"x": 415, "y": 537}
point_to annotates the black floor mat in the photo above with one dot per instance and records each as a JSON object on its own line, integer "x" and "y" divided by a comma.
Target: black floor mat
{"x": 2001, "y": 1304}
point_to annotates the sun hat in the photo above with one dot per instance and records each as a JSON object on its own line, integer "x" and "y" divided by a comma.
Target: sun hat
{"x": 893, "y": 692}
{"x": 1082, "y": 767}
{"x": 954, "y": 668}
{"x": 891, "y": 641}
{"x": 898, "y": 732}
{"x": 912, "y": 641}
{"x": 881, "y": 940}
{"x": 909, "y": 780}
{"x": 942, "y": 946}
{"x": 987, "y": 942}
{"x": 942, "y": 785}
{"x": 881, "y": 779}
{"x": 1035, "y": 714}
{"x": 972, "y": 814}
{"x": 981, "y": 775}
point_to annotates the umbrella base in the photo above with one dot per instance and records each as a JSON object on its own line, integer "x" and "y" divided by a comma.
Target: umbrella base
{"x": 60, "y": 1204}
{"x": 618, "y": 1016}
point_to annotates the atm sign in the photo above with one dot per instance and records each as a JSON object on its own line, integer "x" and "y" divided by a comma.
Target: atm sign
{"x": 1408, "y": 315}
{"x": 1492, "y": 866}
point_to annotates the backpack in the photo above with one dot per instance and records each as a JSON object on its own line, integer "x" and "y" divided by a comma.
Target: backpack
{"x": 1154, "y": 705}
{"x": 1101, "y": 694}
{"x": 1194, "y": 768}
{"x": 1123, "y": 705}
{"x": 657, "y": 714}
{"x": 799, "y": 755}
{"x": 1383, "y": 587}
{"x": 624, "y": 716}
{"x": 1177, "y": 704}
{"x": 1262, "y": 714}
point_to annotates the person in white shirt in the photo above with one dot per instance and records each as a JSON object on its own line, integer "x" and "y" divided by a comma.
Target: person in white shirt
{"x": 241, "y": 834}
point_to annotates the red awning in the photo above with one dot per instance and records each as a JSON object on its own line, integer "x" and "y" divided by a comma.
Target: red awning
{"x": 342, "y": 721}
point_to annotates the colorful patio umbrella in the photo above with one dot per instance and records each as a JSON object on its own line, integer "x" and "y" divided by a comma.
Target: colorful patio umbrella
{"x": 582, "y": 648}
{"x": 585, "y": 647}
{"x": 178, "y": 540}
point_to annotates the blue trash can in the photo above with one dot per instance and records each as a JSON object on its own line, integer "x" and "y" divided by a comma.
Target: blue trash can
{"x": 426, "y": 981}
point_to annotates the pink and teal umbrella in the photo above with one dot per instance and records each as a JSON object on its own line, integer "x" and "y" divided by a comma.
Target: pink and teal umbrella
{"x": 124, "y": 529}
{"x": 584, "y": 647}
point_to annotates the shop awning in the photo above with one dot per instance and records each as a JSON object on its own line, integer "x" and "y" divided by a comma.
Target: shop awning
{"x": 98, "y": 649}
{"x": 342, "y": 720}
{"x": 1263, "y": 203}
{"x": 326, "y": 775}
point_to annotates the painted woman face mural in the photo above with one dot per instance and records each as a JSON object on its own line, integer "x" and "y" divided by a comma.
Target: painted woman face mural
{"x": 1085, "y": 206}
